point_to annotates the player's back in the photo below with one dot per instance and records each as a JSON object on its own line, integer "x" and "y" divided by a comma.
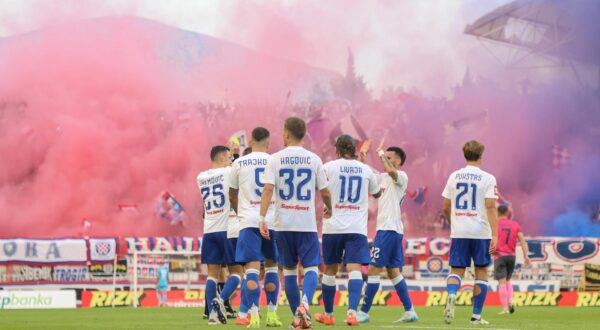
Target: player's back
{"x": 507, "y": 237}
{"x": 248, "y": 176}
{"x": 350, "y": 182}
{"x": 467, "y": 190}
{"x": 214, "y": 187}
{"x": 297, "y": 174}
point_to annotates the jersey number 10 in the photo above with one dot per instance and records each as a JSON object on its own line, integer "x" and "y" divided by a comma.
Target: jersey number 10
{"x": 353, "y": 181}
{"x": 462, "y": 202}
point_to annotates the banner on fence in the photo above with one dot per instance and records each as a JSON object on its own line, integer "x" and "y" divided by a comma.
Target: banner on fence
{"x": 42, "y": 251}
{"x": 37, "y": 299}
{"x": 195, "y": 298}
{"x": 102, "y": 249}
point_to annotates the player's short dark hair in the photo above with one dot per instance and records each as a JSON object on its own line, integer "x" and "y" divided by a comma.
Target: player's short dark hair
{"x": 399, "y": 152}
{"x": 502, "y": 210}
{"x": 345, "y": 145}
{"x": 247, "y": 151}
{"x": 296, "y": 126}
{"x": 473, "y": 150}
{"x": 216, "y": 150}
{"x": 260, "y": 133}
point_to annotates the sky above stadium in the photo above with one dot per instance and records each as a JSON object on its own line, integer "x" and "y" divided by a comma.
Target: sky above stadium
{"x": 412, "y": 44}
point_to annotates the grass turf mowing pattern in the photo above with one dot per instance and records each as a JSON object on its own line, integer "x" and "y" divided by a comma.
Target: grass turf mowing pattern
{"x": 381, "y": 318}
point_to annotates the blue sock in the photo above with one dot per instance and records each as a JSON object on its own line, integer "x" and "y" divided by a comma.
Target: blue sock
{"x": 453, "y": 288}
{"x": 292, "y": 291}
{"x": 309, "y": 284}
{"x": 232, "y": 283}
{"x": 479, "y": 299}
{"x": 210, "y": 292}
{"x": 370, "y": 292}
{"x": 253, "y": 294}
{"x": 272, "y": 277}
{"x": 402, "y": 291}
{"x": 355, "y": 284}
{"x": 243, "y": 298}
{"x": 328, "y": 287}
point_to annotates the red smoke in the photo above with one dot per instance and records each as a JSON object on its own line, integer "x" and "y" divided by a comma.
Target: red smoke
{"x": 107, "y": 112}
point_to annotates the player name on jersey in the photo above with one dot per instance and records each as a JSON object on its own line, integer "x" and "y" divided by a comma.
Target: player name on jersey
{"x": 212, "y": 180}
{"x": 351, "y": 169}
{"x": 252, "y": 162}
{"x": 295, "y": 160}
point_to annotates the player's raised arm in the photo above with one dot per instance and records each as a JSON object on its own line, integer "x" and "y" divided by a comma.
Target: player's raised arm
{"x": 387, "y": 165}
{"x": 524, "y": 246}
{"x": 364, "y": 150}
{"x": 373, "y": 188}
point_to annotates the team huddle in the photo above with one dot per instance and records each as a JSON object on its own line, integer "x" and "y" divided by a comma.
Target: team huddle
{"x": 260, "y": 215}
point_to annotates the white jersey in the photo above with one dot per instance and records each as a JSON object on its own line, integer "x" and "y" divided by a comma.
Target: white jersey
{"x": 247, "y": 175}
{"x": 350, "y": 182}
{"x": 297, "y": 174}
{"x": 389, "y": 216}
{"x": 233, "y": 225}
{"x": 467, "y": 189}
{"x": 214, "y": 188}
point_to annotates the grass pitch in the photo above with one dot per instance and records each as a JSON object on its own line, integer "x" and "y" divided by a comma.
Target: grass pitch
{"x": 381, "y": 318}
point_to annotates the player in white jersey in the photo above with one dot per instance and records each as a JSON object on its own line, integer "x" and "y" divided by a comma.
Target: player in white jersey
{"x": 470, "y": 204}
{"x": 345, "y": 234}
{"x": 216, "y": 249}
{"x": 245, "y": 193}
{"x": 388, "y": 251}
{"x": 294, "y": 175}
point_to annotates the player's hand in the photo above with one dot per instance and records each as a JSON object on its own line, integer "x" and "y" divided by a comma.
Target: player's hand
{"x": 380, "y": 146}
{"x": 493, "y": 244}
{"x": 234, "y": 147}
{"x": 527, "y": 261}
{"x": 264, "y": 230}
{"x": 366, "y": 146}
{"x": 326, "y": 213}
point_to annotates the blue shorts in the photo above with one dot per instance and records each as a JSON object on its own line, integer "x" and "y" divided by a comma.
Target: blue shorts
{"x": 463, "y": 250}
{"x": 253, "y": 247}
{"x": 161, "y": 287}
{"x": 293, "y": 246}
{"x": 387, "y": 249}
{"x": 346, "y": 248}
{"x": 217, "y": 249}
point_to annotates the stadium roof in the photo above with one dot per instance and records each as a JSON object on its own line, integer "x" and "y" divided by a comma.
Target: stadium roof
{"x": 567, "y": 30}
